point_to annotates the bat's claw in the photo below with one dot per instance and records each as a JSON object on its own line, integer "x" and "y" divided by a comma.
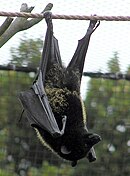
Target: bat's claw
{"x": 48, "y": 16}
{"x": 93, "y": 26}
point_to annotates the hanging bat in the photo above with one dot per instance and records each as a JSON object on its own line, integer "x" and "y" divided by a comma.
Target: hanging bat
{"x": 54, "y": 106}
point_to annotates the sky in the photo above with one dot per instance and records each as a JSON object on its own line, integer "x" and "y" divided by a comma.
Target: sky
{"x": 108, "y": 38}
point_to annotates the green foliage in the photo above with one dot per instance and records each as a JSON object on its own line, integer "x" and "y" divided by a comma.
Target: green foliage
{"x": 10, "y": 133}
{"x": 6, "y": 173}
{"x": 51, "y": 170}
{"x": 28, "y": 53}
{"x": 113, "y": 64}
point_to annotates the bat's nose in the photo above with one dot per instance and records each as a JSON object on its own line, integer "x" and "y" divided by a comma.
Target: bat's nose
{"x": 73, "y": 163}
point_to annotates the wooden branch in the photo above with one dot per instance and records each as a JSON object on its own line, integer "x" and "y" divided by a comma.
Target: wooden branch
{"x": 37, "y": 20}
{"x": 21, "y": 23}
{"x": 5, "y": 25}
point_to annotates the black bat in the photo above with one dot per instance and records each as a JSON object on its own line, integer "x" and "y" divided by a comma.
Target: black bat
{"x": 54, "y": 106}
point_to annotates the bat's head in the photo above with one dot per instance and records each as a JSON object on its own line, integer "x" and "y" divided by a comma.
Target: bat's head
{"x": 76, "y": 141}
{"x": 78, "y": 145}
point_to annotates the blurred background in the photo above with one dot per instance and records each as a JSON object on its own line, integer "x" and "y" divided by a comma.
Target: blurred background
{"x": 107, "y": 101}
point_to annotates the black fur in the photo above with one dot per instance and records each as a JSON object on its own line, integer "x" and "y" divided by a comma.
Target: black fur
{"x": 64, "y": 97}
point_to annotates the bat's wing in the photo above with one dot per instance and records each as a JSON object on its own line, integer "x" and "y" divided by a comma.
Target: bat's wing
{"x": 51, "y": 52}
{"x": 78, "y": 59}
{"x": 35, "y": 101}
{"x": 77, "y": 63}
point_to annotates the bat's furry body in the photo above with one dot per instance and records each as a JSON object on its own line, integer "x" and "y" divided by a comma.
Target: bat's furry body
{"x": 63, "y": 94}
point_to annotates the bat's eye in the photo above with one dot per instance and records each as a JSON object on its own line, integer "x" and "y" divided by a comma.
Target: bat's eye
{"x": 64, "y": 150}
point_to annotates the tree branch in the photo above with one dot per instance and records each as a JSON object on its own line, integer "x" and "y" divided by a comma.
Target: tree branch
{"x": 37, "y": 20}
{"x": 5, "y": 25}
{"x": 21, "y": 23}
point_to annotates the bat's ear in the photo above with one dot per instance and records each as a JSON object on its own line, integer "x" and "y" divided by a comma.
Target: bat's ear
{"x": 64, "y": 150}
{"x": 91, "y": 155}
{"x": 92, "y": 139}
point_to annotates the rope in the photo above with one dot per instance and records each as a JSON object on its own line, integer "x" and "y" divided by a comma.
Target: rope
{"x": 66, "y": 17}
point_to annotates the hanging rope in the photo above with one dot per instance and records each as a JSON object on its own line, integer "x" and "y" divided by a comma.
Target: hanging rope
{"x": 66, "y": 17}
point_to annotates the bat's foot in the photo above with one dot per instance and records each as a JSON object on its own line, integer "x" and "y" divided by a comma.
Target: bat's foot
{"x": 48, "y": 16}
{"x": 92, "y": 26}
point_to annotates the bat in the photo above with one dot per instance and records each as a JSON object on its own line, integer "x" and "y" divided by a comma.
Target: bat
{"x": 53, "y": 104}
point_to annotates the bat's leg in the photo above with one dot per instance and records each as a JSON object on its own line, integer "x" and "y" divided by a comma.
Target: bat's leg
{"x": 78, "y": 59}
{"x": 46, "y": 54}
{"x": 92, "y": 26}
{"x": 53, "y": 49}
{"x": 51, "y": 53}
{"x": 48, "y": 17}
